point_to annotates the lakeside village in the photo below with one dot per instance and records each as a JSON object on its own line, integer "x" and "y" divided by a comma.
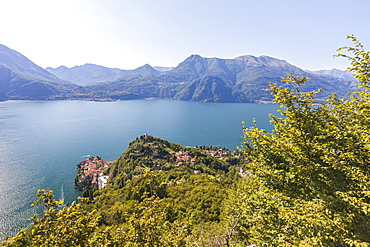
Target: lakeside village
{"x": 92, "y": 173}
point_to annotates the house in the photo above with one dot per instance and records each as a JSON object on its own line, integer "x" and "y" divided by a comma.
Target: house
{"x": 102, "y": 181}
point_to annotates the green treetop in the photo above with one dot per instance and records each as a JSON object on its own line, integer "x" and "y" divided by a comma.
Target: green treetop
{"x": 310, "y": 182}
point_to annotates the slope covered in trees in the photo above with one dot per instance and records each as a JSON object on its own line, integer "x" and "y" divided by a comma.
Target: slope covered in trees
{"x": 159, "y": 193}
{"x": 307, "y": 183}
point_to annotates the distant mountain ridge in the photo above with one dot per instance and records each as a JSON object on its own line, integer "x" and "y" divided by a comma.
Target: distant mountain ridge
{"x": 89, "y": 74}
{"x": 344, "y": 74}
{"x": 86, "y": 74}
{"x": 242, "y": 79}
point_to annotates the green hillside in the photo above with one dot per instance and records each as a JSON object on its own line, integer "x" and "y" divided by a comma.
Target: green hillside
{"x": 187, "y": 180}
{"x": 155, "y": 186}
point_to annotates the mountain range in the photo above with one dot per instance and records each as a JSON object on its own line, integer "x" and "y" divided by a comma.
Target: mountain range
{"x": 90, "y": 74}
{"x": 242, "y": 79}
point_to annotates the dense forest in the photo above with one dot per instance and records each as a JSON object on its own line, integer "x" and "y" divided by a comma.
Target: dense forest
{"x": 306, "y": 183}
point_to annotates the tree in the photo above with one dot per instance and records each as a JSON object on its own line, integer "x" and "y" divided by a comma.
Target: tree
{"x": 310, "y": 177}
{"x": 67, "y": 226}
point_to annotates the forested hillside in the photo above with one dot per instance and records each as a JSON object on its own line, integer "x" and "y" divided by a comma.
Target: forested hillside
{"x": 307, "y": 183}
{"x": 158, "y": 192}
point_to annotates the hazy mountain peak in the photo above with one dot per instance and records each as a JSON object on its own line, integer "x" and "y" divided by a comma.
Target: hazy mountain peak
{"x": 162, "y": 68}
{"x": 146, "y": 66}
{"x": 60, "y": 67}
{"x": 262, "y": 60}
{"x": 244, "y": 57}
{"x": 343, "y": 74}
{"x": 87, "y": 74}
{"x": 145, "y": 70}
{"x": 193, "y": 58}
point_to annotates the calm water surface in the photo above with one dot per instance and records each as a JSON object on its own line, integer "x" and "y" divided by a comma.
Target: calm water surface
{"x": 42, "y": 141}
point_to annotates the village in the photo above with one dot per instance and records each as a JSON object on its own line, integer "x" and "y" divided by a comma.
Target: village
{"x": 184, "y": 157}
{"x": 91, "y": 171}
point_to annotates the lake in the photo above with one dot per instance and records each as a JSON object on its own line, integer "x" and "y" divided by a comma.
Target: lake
{"x": 41, "y": 142}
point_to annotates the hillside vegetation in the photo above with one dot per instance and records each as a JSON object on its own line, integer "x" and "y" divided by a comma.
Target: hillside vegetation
{"x": 307, "y": 183}
{"x": 156, "y": 188}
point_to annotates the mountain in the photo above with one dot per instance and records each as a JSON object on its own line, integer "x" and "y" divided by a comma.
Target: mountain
{"x": 87, "y": 74}
{"x": 342, "y": 74}
{"x": 20, "y": 78}
{"x": 233, "y": 71}
{"x": 140, "y": 72}
{"x": 90, "y": 74}
{"x": 162, "y": 69}
{"x": 209, "y": 89}
{"x": 242, "y": 79}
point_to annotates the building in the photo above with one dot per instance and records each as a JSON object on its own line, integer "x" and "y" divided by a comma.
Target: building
{"x": 102, "y": 181}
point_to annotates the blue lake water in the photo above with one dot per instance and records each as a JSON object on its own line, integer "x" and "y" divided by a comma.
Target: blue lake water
{"x": 42, "y": 141}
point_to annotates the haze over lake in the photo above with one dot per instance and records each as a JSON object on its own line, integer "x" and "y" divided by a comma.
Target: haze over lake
{"x": 42, "y": 141}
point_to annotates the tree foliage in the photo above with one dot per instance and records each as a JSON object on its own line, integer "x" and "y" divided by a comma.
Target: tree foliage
{"x": 152, "y": 199}
{"x": 67, "y": 226}
{"x": 310, "y": 182}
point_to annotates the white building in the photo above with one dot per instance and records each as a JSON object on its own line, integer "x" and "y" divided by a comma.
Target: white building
{"x": 102, "y": 181}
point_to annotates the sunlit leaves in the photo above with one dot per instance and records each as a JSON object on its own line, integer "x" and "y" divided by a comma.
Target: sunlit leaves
{"x": 360, "y": 61}
{"x": 311, "y": 180}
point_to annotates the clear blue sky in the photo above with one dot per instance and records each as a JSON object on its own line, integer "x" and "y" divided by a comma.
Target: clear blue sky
{"x": 130, "y": 33}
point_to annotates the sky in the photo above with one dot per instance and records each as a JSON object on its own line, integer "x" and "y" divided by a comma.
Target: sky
{"x": 127, "y": 34}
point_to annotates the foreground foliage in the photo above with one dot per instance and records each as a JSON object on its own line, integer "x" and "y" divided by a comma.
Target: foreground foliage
{"x": 310, "y": 184}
